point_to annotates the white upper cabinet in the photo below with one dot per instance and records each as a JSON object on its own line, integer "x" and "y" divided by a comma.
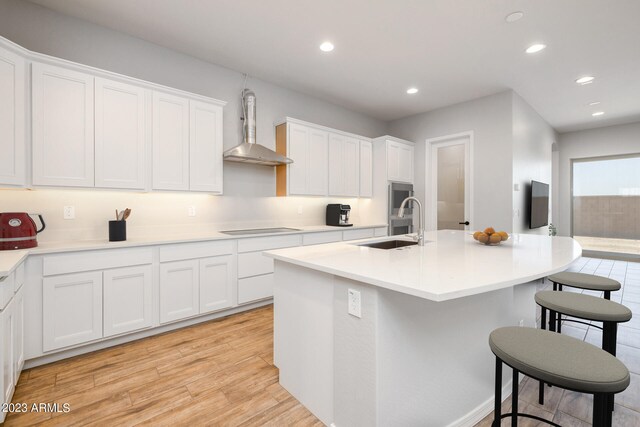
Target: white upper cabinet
{"x": 170, "y": 142}
{"x": 366, "y": 169}
{"x": 344, "y": 165}
{"x": 12, "y": 119}
{"x": 205, "y": 147}
{"x": 308, "y": 148}
{"x": 399, "y": 161}
{"x": 62, "y": 126}
{"x": 119, "y": 135}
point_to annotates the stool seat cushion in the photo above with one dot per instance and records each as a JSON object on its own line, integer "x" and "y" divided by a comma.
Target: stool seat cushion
{"x": 585, "y": 281}
{"x": 583, "y": 306}
{"x": 559, "y": 359}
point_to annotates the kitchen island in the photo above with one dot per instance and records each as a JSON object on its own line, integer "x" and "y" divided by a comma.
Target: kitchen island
{"x": 417, "y": 354}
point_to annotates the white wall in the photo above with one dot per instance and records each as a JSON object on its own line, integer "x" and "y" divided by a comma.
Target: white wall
{"x": 606, "y": 141}
{"x": 250, "y": 187}
{"x": 533, "y": 138}
{"x": 490, "y": 120}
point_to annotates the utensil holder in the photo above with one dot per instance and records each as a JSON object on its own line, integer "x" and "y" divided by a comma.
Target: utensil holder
{"x": 117, "y": 231}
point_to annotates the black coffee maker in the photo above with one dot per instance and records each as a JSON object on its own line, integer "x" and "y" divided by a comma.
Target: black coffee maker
{"x": 338, "y": 215}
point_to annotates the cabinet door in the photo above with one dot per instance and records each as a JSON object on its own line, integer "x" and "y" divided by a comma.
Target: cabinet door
{"x": 127, "y": 299}
{"x": 298, "y": 137}
{"x": 351, "y": 167}
{"x": 406, "y": 163}
{"x": 393, "y": 161}
{"x": 318, "y": 163}
{"x": 170, "y": 142}
{"x": 205, "y": 147}
{"x": 366, "y": 169}
{"x": 12, "y": 119}
{"x": 120, "y": 135}
{"x": 71, "y": 309}
{"x": 7, "y": 352}
{"x": 18, "y": 335}
{"x": 62, "y": 127}
{"x": 217, "y": 283}
{"x": 179, "y": 290}
{"x": 336, "y": 165}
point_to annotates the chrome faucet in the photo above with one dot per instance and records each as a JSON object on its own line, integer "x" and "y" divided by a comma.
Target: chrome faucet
{"x": 420, "y": 235}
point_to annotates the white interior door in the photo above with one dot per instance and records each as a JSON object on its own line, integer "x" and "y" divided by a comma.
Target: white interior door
{"x": 451, "y": 184}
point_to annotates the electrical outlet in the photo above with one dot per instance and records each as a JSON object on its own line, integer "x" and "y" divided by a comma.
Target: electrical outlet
{"x": 355, "y": 303}
{"x": 521, "y": 324}
{"x": 69, "y": 212}
{"x": 192, "y": 211}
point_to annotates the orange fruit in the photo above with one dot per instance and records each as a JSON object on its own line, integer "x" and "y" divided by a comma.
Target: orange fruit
{"x": 495, "y": 238}
{"x": 489, "y": 230}
{"x": 476, "y": 234}
{"x": 483, "y": 237}
{"x": 504, "y": 235}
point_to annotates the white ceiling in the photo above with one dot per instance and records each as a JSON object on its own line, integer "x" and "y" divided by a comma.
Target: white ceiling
{"x": 452, "y": 50}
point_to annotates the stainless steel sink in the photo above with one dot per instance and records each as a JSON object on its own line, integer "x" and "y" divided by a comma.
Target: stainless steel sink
{"x": 389, "y": 244}
{"x": 259, "y": 231}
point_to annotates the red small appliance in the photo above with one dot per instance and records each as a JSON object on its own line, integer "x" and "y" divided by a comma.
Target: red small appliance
{"x": 18, "y": 230}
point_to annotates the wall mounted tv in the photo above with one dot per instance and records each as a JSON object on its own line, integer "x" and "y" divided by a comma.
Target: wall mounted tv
{"x": 539, "y": 205}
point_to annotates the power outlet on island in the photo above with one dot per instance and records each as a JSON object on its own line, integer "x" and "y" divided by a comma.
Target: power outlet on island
{"x": 355, "y": 303}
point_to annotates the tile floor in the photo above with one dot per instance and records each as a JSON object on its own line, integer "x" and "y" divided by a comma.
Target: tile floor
{"x": 571, "y": 409}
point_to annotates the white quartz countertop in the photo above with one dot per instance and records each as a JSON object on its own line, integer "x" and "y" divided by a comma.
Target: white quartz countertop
{"x": 9, "y": 260}
{"x": 450, "y": 265}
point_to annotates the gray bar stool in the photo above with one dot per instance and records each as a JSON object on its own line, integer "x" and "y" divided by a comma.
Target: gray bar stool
{"x": 561, "y": 361}
{"x": 585, "y": 307}
{"x": 583, "y": 281}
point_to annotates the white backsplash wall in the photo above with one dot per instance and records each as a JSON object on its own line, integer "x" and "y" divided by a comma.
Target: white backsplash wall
{"x": 165, "y": 213}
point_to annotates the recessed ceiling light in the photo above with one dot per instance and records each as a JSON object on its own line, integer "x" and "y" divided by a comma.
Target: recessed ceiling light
{"x": 513, "y": 17}
{"x": 326, "y": 47}
{"x": 585, "y": 80}
{"x": 412, "y": 90}
{"x": 598, "y": 113}
{"x": 591, "y": 104}
{"x": 536, "y": 48}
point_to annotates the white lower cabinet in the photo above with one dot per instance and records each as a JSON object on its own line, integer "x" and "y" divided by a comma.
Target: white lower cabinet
{"x": 196, "y": 286}
{"x": 128, "y": 298}
{"x": 7, "y": 329}
{"x": 217, "y": 280}
{"x": 18, "y": 335}
{"x": 11, "y": 339}
{"x": 179, "y": 290}
{"x": 255, "y": 288}
{"x": 72, "y": 309}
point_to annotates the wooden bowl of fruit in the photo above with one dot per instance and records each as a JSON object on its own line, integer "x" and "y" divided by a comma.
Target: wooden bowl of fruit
{"x": 490, "y": 236}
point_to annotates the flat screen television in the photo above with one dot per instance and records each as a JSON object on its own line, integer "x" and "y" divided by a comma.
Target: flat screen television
{"x": 539, "y": 205}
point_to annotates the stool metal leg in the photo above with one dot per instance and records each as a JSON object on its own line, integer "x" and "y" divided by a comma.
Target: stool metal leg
{"x": 497, "y": 413}
{"x": 552, "y": 320}
{"x": 514, "y": 399}
{"x": 607, "y": 294}
{"x": 598, "y": 412}
{"x": 543, "y": 321}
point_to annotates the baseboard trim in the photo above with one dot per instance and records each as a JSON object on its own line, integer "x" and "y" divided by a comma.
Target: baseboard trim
{"x": 481, "y": 411}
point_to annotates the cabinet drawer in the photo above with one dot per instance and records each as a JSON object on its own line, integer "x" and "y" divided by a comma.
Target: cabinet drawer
{"x": 255, "y": 288}
{"x": 6, "y": 289}
{"x": 380, "y": 231}
{"x": 254, "y": 264}
{"x": 266, "y": 243}
{"x": 95, "y": 260}
{"x": 362, "y": 233}
{"x": 195, "y": 250}
{"x": 318, "y": 238}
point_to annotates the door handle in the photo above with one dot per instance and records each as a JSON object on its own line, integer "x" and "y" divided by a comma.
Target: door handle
{"x": 464, "y": 223}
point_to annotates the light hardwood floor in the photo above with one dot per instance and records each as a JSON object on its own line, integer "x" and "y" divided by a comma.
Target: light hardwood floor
{"x": 221, "y": 373}
{"x": 217, "y": 373}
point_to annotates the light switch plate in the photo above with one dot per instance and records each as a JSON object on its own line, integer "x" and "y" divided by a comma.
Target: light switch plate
{"x": 355, "y": 303}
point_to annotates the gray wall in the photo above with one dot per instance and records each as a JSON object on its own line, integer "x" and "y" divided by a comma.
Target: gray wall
{"x": 490, "y": 120}
{"x": 606, "y": 141}
{"x": 42, "y": 30}
{"x": 533, "y": 138}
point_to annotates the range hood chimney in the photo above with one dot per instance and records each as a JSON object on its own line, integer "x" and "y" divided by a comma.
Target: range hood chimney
{"x": 249, "y": 151}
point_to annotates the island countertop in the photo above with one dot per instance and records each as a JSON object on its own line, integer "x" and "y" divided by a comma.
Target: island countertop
{"x": 450, "y": 265}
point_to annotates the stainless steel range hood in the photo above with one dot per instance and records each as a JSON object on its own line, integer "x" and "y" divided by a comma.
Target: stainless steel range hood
{"x": 249, "y": 151}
